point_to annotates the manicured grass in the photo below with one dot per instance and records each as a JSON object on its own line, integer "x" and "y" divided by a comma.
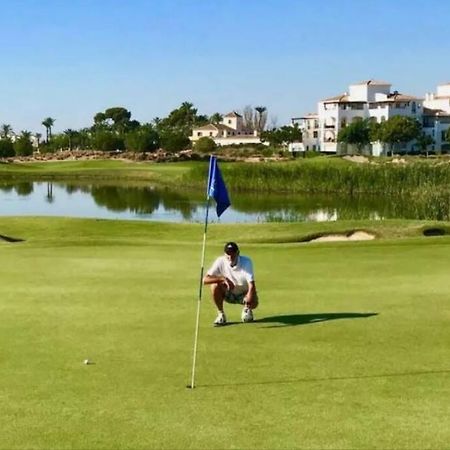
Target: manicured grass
{"x": 96, "y": 170}
{"x": 350, "y": 349}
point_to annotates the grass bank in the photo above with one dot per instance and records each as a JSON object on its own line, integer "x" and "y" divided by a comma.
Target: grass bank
{"x": 349, "y": 349}
{"x": 318, "y": 175}
{"x": 96, "y": 170}
{"x": 332, "y": 175}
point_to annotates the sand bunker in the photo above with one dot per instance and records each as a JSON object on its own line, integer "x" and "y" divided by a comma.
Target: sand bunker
{"x": 356, "y": 236}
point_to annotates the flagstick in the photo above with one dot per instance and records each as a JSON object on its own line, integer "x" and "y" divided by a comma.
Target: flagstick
{"x": 194, "y": 358}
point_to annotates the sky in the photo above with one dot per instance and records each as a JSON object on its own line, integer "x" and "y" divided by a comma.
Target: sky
{"x": 69, "y": 59}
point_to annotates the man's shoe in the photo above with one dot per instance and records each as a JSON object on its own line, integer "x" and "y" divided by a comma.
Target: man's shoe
{"x": 220, "y": 320}
{"x": 247, "y": 315}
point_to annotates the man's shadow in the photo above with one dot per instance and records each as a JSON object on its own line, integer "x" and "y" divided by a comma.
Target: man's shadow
{"x": 290, "y": 320}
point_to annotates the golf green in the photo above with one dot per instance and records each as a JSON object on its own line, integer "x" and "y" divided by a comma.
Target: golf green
{"x": 349, "y": 348}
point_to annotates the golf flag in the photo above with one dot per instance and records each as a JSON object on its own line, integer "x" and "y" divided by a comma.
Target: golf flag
{"x": 218, "y": 191}
{"x": 216, "y": 187}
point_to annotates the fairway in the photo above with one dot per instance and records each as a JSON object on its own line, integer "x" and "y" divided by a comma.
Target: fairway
{"x": 349, "y": 349}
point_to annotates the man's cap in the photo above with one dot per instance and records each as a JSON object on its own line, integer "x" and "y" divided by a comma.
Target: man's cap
{"x": 231, "y": 247}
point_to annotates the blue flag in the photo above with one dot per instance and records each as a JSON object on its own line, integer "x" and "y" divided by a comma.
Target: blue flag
{"x": 216, "y": 187}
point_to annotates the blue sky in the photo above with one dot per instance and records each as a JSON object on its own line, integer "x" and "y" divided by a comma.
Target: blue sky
{"x": 72, "y": 59}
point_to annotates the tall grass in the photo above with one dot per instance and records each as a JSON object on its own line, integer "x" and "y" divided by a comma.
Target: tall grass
{"x": 334, "y": 176}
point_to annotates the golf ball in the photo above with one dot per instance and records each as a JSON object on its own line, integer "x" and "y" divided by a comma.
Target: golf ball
{"x": 86, "y": 361}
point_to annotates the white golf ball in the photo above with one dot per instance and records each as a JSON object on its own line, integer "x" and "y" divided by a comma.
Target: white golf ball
{"x": 86, "y": 361}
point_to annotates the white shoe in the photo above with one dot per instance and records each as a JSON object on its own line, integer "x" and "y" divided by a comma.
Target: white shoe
{"x": 247, "y": 315}
{"x": 220, "y": 320}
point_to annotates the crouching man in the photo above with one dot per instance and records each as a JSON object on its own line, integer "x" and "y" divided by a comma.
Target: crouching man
{"x": 232, "y": 280}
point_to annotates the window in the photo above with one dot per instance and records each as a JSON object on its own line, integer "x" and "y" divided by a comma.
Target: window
{"x": 229, "y": 120}
{"x": 210, "y": 133}
{"x": 199, "y": 133}
{"x": 315, "y": 134}
{"x": 413, "y": 107}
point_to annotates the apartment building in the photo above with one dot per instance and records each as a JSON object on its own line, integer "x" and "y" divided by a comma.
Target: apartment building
{"x": 436, "y": 116}
{"x": 374, "y": 100}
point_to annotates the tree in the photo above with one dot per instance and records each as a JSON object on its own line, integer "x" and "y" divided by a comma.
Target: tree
{"x": 174, "y": 141}
{"x": 120, "y": 118}
{"x": 69, "y": 133}
{"x": 6, "y": 148}
{"x": 216, "y": 118}
{"x": 182, "y": 120}
{"x": 273, "y": 122}
{"x": 282, "y": 136}
{"x": 5, "y": 131}
{"x": 38, "y": 139}
{"x": 23, "y": 145}
{"x": 424, "y": 140}
{"x": 247, "y": 116}
{"x": 260, "y": 118}
{"x": 48, "y": 124}
{"x": 115, "y": 119}
{"x": 143, "y": 139}
{"x": 356, "y": 133}
{"x": 399, "y": 130}
{"x": 205, "y": 145}
{"x": 108, "y": 141}
{"x": 99, "y": 119}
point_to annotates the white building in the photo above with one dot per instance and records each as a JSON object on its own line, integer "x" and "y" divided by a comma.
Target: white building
{"x": 369, "y": 99}
{"x": 231, "y": 130}
{"x": 309, "y": 125}
{"x": 436, "y": 116}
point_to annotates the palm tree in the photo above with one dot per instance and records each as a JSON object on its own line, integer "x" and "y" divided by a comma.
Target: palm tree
{"x": 216, "y": 118}
{"x": 69, "y": 134}
{"x": 261, "y": 117}
{"x": 48, "y": 123}
{"x": 25, "y": 134}
{"x": 5, "y": 130}
{"x": 38, "y": 139}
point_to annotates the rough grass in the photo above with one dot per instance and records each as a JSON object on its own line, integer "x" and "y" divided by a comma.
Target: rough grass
{"x": 350, "y": 349}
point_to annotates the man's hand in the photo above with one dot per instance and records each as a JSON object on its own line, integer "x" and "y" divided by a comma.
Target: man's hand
{"x": 228, "y": 284}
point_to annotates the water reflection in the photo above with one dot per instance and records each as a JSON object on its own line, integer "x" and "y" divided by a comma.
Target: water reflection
{"x": 152, "y": 203}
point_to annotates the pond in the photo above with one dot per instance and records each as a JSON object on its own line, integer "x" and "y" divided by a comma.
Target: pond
{"x": 133, "y": 202}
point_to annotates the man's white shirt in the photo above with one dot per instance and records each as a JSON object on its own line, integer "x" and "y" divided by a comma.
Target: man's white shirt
{"x": 241, "y": 274}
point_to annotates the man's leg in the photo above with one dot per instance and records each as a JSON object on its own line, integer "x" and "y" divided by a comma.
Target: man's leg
{"x": 218, "y": 295}
{"x": 247, "y": 311}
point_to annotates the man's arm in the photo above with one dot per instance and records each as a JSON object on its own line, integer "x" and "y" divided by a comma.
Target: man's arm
{"x": 210, "y": 279}
{"x": 251, "y": 293}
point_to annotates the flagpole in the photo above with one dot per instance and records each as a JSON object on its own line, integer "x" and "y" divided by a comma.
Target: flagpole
{"x": 200, "y": 289}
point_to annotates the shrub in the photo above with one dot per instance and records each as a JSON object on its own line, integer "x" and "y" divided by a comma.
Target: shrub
{"x": 173, "y": 141}
{"x": 6, "y": 148}
{"x": 144, "y": 139}
{"x": 23, "y": 146}
{"x": 205, "y": 145}
{"x": 108, "y": 142}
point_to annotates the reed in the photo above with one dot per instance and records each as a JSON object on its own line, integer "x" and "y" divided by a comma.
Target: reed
{"x": 329, "y": 176}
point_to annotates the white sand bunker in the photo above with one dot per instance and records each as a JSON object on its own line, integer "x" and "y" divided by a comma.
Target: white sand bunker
{"x": 356, "y": 236}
